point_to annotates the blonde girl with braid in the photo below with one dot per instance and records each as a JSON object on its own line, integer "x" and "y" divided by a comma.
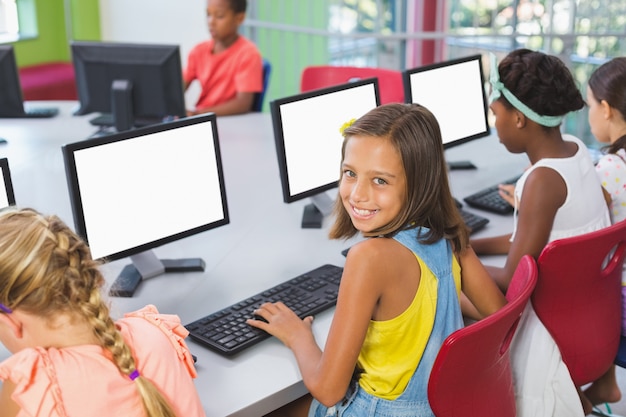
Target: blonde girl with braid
{"x": 69, "y": 357}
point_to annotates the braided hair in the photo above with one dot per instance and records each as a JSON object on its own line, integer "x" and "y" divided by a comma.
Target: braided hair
{"x": 46, "y": 269}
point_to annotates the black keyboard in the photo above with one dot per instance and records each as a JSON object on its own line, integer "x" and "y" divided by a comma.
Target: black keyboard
{"x": 32, "y": 113}
{"x": 226, "y": 330}
{"x": 488, "y": 199}
{"x": 41, "y": 112}
{"x": 473, "y": 221}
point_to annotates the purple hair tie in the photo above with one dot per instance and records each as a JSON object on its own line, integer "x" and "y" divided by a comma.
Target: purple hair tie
{"x": 133, "y": 375}
{"x": 5, "y": 309}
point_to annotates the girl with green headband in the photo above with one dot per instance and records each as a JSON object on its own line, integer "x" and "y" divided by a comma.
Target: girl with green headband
{"x": 557, "y": 197}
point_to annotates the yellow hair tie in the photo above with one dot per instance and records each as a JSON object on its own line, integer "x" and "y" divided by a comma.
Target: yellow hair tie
{"x": 346, "y": 125}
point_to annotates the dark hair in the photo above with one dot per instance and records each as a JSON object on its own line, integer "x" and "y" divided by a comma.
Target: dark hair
{"x": 608, "y": 83}
{"x": 238, "y": 6}
{"x": 540, "y": 81}
{"x": 414, "y": 132}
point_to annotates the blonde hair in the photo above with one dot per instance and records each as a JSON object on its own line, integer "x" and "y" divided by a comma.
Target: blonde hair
{"x": 46, "y": 269}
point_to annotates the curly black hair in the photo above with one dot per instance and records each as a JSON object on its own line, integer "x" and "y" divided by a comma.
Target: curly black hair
{"x": 540, "y": 81}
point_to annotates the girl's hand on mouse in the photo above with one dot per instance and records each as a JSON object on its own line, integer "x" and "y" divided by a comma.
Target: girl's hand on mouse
{"x": 280, "y": 321}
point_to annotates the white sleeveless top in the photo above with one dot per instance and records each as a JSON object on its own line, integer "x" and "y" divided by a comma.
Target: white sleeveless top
{"x": 585, "y": 209}
{"x": 543, "y": 386}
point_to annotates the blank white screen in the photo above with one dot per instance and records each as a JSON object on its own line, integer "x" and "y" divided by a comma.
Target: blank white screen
{"x": 147, "y": 188}
{"x": 4, "y": 198}
{"x": 312, "y": 138}
{"x": 454, "y": 94}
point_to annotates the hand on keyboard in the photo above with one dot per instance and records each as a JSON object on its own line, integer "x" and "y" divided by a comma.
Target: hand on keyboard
{"x": 489, "y": 198}
{"x": 281, "y": 322}
{"x": 228, "y": 331}
{"x": 507, "y": 192}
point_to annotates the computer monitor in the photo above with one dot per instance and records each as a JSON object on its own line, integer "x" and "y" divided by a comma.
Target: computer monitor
{"x": 132, "y": 84}
{"x": 11, "y": 98}
{"x": 7, "y": 198}
{"x": 133, "y": 191}
{"x": 454, "y": 91}
{"x": 308, "y": 141}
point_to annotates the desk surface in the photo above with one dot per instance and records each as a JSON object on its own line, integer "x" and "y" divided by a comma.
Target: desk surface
{"x": 262, "y": 246}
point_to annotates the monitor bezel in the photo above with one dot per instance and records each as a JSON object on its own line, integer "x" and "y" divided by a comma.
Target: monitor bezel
{"x": 8, "y": 181}
{"x": 74, "y": 188}
{"x": 86, "y": 106}
{"x": 279, "y": 139}
{"x": 406, "y": 77}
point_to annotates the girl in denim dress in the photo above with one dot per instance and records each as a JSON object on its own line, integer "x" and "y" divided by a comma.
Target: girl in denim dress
{"x": 399, "y": 293}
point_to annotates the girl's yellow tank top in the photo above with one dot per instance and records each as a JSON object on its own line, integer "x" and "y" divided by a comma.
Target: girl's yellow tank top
{"x": 393, "y": 348}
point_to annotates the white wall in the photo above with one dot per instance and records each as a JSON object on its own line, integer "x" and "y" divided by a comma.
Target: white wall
{"x": 180, "y": 22}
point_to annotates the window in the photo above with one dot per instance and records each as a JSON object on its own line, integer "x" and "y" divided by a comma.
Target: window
{"x": 370, "y": 22}
{"x": 9, "y": 26}
{"x": 583, "y": 33}
{"x": 402, "y": 34}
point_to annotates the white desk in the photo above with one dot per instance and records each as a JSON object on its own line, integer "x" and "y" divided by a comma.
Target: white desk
{"x": 262, "y": 246}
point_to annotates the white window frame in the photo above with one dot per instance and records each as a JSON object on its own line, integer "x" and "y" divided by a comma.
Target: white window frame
{"x": 9, "y": 23}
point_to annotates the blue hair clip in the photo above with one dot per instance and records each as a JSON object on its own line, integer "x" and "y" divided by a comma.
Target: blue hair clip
{"x": 498, "y": 89}
{"x": 5, "y": 309}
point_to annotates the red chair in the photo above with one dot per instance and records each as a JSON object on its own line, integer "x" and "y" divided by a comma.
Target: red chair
{"x": 578, "y": 298}
{"x": 474, "y": 361}
{"x": 48, "y": 81}
{"x": 390, "y": 82}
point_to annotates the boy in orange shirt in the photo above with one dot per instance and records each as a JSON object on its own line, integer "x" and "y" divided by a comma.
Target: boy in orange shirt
{"x": 228, "y": 66}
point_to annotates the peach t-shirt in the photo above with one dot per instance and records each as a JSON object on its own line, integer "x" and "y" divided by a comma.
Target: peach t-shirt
{"x": 223, "y": 75}
{"x": 83, "y": 381}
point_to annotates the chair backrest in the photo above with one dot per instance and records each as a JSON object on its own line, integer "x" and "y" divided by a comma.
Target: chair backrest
{"x": 257, "y": 103}
{"x": 471, "y": 375}
{"x": 389, "y": 81}
{"x": 578, "y": 299}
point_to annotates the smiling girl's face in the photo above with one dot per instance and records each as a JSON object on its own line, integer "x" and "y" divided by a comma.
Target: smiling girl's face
{"x": 373, "y": 182}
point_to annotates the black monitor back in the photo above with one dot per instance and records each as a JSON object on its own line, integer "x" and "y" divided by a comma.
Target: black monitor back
{"x": 154, "y": 71}
{"x": 11, "y": 99}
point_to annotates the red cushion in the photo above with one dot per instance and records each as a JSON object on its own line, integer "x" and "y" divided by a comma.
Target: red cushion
{"x": 50, "y": 81}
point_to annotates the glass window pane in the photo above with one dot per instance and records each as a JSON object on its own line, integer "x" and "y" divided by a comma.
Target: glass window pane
{"x": 8, "y": 18}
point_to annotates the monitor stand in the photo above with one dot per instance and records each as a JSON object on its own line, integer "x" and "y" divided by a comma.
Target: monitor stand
{"x": 146, "y": 265}
{"x": 461, "y": 165}
{"x": 321, "y": 205}
{"x": 122, "y": 104}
